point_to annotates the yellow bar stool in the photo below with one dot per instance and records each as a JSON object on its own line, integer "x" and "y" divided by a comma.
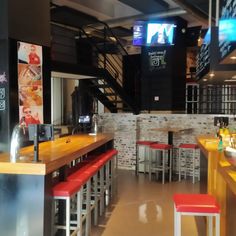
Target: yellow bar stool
{"x": 190, "y": 151}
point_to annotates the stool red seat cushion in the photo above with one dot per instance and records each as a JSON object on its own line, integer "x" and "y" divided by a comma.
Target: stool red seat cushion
{"x": 66, "y": 189}
{"x": 161, "y": 146}
{"x": 111, "y": 152}
{"x": 188, "y": 145}
{"x": 81, "y": 176}
{"x": 146, "y": 143}
{"x": 197, "y": 203}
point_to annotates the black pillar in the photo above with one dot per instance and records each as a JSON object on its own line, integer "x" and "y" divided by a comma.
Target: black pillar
{"x": 26, "y": 21}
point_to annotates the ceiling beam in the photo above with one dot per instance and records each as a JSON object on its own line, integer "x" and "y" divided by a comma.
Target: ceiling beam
{"x": 147, "y": 6}
{"x": 194, "y": 11}
{"x": 162, "y": 3}
{"x": 130, "y": 19}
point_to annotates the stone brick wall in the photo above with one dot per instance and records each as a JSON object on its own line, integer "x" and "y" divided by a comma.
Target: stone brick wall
{"x": 129, "y": 128}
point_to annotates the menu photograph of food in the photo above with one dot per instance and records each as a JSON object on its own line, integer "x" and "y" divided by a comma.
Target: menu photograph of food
{"x": 30, "y": 81}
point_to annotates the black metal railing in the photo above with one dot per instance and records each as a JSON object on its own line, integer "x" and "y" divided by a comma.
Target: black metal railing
{"x": 210, "y": 99}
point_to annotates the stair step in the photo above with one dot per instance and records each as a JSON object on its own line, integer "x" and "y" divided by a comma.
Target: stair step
{"x": 117, "y": 101}
{"x": 101, "y": 85}
{"x": 110, "y": 94}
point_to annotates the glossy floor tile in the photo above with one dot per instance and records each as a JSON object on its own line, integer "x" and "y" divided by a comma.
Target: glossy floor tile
{"x": 144, "y": 208}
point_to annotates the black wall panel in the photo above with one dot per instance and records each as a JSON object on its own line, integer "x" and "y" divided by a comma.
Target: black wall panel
{"x": 132, "y": 76}
{"x": 27, "y": 21}
{"x": 163, "y": 74}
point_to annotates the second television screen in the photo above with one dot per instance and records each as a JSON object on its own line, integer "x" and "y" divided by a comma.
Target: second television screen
{"x": 160, "y": 34}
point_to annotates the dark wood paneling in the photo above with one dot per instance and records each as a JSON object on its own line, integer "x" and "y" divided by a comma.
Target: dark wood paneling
{"x": 29, "y": 21}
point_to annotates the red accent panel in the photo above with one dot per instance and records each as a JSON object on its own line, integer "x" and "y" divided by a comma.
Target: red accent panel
{"x": 198, "y": 203}
{"x": 188, "y": 145}
{"x": 161, "y": 146}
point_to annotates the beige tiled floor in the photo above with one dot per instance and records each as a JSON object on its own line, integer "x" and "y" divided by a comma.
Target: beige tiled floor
{"x": 144, "y": 208}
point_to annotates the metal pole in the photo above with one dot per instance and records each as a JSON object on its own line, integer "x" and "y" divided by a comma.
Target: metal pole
{"x": 217, "y": 12}
{"x": 210, "y": 14}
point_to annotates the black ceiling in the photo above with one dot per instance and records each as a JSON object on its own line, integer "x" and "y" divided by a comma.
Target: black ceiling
{"x": 147, "y": 6}
{"x": 75, "y": 18}
{"x": 68, "y": 16}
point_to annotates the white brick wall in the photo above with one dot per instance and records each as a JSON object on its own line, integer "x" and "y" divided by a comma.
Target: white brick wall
{"x": 129, "y": 128}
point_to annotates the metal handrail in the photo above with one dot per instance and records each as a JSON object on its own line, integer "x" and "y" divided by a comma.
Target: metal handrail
{"x": 110, "y": 63}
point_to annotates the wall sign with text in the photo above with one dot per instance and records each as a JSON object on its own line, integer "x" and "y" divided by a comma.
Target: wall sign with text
{"x": 157, "y": 60}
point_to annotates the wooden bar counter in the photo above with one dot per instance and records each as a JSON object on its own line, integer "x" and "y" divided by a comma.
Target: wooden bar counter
{"x": 221, "y": 182}
{"x": 25, "y": 186}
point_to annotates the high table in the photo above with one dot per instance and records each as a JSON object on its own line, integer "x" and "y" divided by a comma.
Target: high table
{"x": 26, "y": 187}
{"x": 171, "y": 131}
{"x": 221, "y": 182}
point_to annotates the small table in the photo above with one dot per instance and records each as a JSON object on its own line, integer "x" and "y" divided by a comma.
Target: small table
{"x": 171, "y": 131}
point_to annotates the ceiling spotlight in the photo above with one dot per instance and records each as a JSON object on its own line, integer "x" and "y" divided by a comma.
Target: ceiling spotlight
{"x": 233, "y": 57}
{"x": 204, "y": 80}
{"x": 113, "y": 39}
{"x": 211, "y": 74}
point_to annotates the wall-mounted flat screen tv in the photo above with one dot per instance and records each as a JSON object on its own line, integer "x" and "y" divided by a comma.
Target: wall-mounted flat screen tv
{"x": 147, "y": 33}
{"x": 227, "y": 30}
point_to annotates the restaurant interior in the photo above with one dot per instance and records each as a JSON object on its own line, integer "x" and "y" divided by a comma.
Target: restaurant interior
{"x": 117, "y": 117}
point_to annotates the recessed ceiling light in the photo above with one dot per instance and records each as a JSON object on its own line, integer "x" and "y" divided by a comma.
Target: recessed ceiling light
{"x": 204, "y": 79}
{"x": 211, "y": 74}
{"x": 234, "y": 77}
{"x": 233, "y": 57}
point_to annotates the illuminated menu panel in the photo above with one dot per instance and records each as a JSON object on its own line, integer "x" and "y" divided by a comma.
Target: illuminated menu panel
{"x": 203, "y": 61}
{"x": 227, "y": 28}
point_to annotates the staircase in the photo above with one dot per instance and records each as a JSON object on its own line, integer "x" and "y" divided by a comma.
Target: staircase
{"x": 108, "y": 88}
{"x": 106, "y": 67}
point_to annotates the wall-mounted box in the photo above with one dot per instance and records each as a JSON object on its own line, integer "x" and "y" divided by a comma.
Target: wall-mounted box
{"x": 221, "y": 120}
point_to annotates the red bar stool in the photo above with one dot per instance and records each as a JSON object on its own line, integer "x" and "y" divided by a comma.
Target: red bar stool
{"x": 110, "y": 160}
{"x": 196, "y": 205}
{"x": 189, "y": 151}
{"x": 161, "y": 164}
{"x": 84, "y": 176}
{"x": 66, "y": 191}
{"x": 142, "y": 155}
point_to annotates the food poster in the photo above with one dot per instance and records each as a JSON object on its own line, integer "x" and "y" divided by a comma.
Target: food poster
{"x": 30, "y": 83}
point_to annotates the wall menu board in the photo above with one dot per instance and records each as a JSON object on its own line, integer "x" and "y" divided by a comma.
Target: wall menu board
{"x": 156, "y": 59}
{"x": 228, "y": 11}
{"x": 203, "y": 61}
{"x": 30, "y": 83}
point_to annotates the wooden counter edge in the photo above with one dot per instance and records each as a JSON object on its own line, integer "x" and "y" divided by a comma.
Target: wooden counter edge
{"x": 202, "y": 146}
{"x": 224, "y": 171}
{"x": 23, "y": 168}
{"x": 55, "y": 165}
{"x": 42, "y": 168}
